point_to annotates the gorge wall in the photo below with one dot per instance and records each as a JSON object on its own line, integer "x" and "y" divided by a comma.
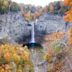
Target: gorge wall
{"x": 14, "y": 27}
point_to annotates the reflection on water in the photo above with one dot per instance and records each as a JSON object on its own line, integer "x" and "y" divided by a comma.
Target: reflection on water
{"x": 37, "y": 59}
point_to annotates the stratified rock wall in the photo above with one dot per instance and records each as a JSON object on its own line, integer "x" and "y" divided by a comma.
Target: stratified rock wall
{"x": 13, "y": 25}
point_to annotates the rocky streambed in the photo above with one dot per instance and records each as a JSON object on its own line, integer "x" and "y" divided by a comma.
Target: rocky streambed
{"x": 37, "y": 55}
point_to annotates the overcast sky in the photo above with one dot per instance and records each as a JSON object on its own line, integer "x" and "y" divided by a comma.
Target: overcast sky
{"x": 35, "y": 2}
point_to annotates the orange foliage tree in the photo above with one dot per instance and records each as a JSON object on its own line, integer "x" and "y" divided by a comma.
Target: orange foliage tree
{"x": 68, "y": 16}
{"x": 70, "y": 36}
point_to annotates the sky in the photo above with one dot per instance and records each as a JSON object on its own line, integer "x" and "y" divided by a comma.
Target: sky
{"x": 35, "y": 2}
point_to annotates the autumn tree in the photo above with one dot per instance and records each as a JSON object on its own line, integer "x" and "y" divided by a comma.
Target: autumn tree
{"x": 68, "y": 18}
{"x": 69, "y": 33}
{"x": 45, "y": 9}
{"x": 27, "y": 15}
{"x": 51, "y": 7}
{"x": 68, "y": 14}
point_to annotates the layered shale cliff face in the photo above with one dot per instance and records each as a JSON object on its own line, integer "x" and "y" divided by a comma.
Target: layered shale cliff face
{"x": 14, "y": 27}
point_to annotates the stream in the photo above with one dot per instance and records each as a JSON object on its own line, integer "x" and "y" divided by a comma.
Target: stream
{"x": 37, "y": 58}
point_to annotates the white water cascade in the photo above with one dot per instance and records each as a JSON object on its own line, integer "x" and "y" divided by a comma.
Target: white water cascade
{"x": 33, "y": 32}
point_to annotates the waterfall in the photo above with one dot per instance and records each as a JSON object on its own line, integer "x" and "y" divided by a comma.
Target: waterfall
{"x": 33, "y": 32}
{"x": 32, "y": 42}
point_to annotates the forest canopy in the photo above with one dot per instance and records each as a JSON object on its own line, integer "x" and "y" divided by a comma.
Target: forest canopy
{"x": 31, "y": 12}
{"x": 54, "y": 7}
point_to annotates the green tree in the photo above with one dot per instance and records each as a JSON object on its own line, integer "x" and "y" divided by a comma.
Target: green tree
{"x": 56, "y": 7}
{"x": 14, "y": 7}
{"x": 4, "y": 6}
{"x": 63, "y": 10}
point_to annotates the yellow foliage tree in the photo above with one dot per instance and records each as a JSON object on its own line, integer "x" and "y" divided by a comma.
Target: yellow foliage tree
{"x": 27, "y": 16}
